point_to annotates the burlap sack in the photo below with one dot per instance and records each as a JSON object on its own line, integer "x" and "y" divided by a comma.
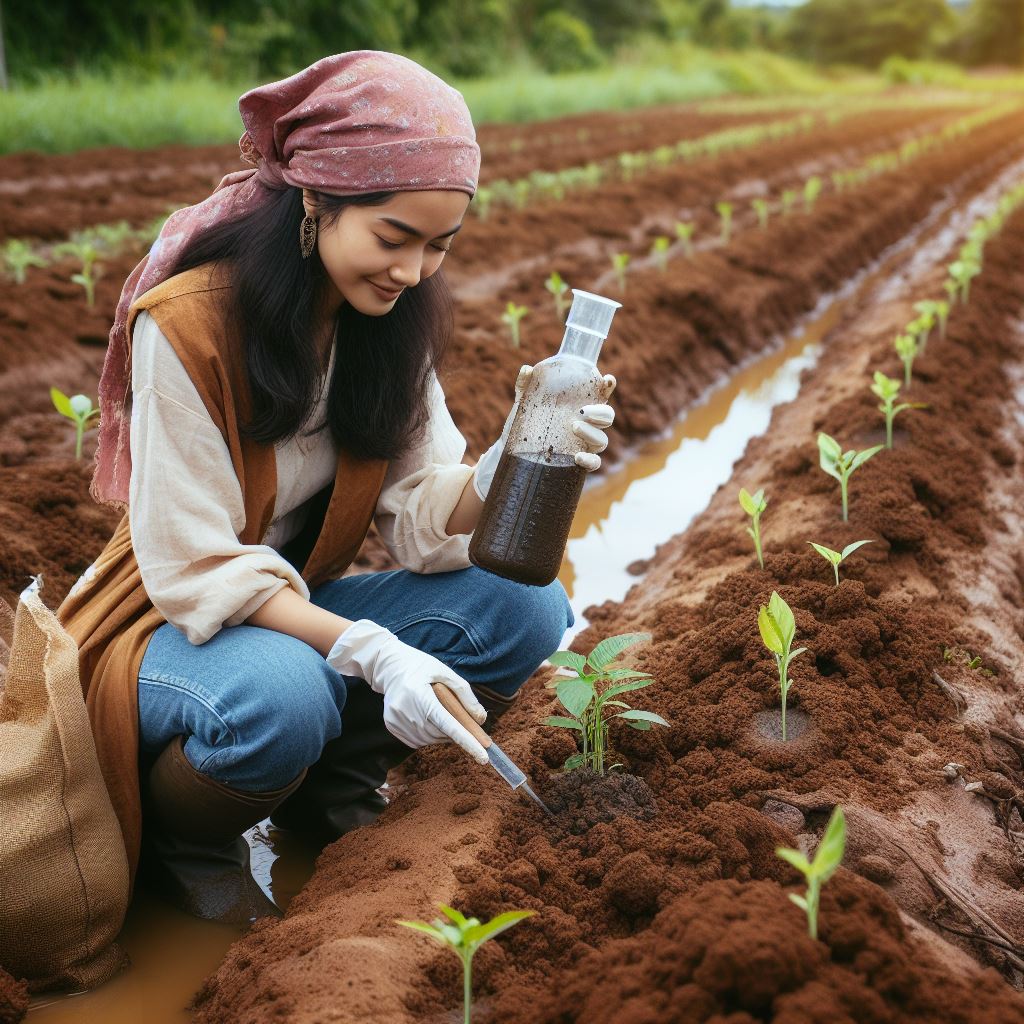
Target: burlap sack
{"x": 63, "y": 872}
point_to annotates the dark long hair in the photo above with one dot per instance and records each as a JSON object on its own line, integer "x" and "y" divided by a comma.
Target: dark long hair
{"x": 378, "y": 402}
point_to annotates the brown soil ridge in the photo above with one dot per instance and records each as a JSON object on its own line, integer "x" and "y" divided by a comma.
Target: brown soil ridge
{"x": 684, "y": 917}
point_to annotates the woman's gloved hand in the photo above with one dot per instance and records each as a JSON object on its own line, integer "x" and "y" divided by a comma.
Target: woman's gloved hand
{"x": 403, "y": 675}
{"x": 589, "y": 428}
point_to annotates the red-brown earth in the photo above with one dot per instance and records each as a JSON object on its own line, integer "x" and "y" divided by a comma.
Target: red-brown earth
{"x": 683, "y": 916}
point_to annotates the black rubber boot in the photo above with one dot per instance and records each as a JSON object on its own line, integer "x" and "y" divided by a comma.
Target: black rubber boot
{"x": 341, "y": 791}
{"x": 193, "y": 851}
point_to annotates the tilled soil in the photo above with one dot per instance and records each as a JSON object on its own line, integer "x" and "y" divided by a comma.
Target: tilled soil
{"x": 684, "y": 916}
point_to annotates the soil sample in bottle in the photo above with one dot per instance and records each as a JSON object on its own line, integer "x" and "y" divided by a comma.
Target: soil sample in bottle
{"x": 525, "y": 520}
{"x": 535, "y": 497}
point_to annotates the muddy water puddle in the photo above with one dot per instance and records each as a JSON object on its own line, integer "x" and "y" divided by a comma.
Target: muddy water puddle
{"x": 651, "y": 496}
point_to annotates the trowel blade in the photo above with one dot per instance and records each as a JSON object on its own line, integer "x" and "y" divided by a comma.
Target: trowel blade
{"x": 511, "y": 773}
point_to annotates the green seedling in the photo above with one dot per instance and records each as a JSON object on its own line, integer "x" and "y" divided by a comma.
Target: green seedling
{"x": 927, "y": 311}
{"x": 888, "y": 389}
{"x": 972, "y": 662}
{"x": 78, "y": 409}
{"x": 558, "y": 288}
{"x": 907, "y": 350}
{"x": 18, "y": 257}
{"x": 589, "y": 696}
{"x": 942, "y": 312}
{"x": 512, "y": 315}
{"x": 464, "y": 936}
{"x": 684, "y": 232}
{"x": 761, "y": 209}
{"x": 952, "y": 289}
{"x": 724, "y": 211}
{"x": 827, "y": 859}
{"x": 87, "y": 279}
{"x": 620, "y": 260}
{"x": 778, "y": 629}
{"x": 840, "y": 464}
{"x": 812, "y": 189}
{"x": 659, "y": 252}
{"x": 836, "y": 558}
{"x": 920, "y": 328}
{"x": 961, "y": 271}
{"x": 788, "y": 199}
{"x": 483, "y": 200}
{"x": 754, "y": 505}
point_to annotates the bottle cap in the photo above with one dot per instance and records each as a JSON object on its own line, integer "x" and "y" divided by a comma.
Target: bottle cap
{"x": 588, "y": 323}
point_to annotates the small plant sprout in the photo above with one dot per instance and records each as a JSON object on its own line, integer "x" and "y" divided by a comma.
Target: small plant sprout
{"x": 483, "y": 200}
{"x": 827, "y": 858}
{"x": 512, "y": 315}
{"x": 620, "y": 260}
{"x": 888, "y": 389}
{"x": 942, "y": 312}
{"x": 659, "y": 252}
{"x": 952, "y": 289}
{"x": 464, "y": 936}
{"x": 907, "y": 350}
{"x": 18, "y": 257}
{"x": 684, "y": 232}
{"x": 840, "y": 464}
{"x": 812, "y": 189}
{"x": 558, "y": 288}
{"x": 724, "y": 211}
{"x": 788, "y": 199}
{"x": 836, "y": 558}
{"x": 78, "y": 409}
{"x": 754, "y": 505}
{"x": 588, "y": 697}
{"x": 761, "y": 209}
{"x": 778, "y": 628}
{"x": 961, "y": 271}
{"x": 927, "y": 311}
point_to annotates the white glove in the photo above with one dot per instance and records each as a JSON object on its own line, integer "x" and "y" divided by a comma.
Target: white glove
{"x": 588, "y": 429}
{"x": 403, "y": 674}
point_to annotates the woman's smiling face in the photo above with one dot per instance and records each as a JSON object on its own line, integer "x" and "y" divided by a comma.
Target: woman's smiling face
{"x": 373, "y": 253}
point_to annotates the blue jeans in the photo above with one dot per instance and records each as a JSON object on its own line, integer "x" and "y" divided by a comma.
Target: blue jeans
{"x": 257, "y": 706}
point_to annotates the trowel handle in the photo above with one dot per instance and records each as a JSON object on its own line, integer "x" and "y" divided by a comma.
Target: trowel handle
{"x": 454, "y": 707}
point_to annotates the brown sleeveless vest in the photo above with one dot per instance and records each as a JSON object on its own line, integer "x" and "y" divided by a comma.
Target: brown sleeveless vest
{"x": 110, "y": 616}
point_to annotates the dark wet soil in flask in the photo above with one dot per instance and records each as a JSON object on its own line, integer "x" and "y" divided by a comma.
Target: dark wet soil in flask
{"x": 525, "y": 521}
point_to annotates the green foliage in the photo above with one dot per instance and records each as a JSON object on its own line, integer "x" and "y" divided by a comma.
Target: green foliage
{"x": 827, "y": 859}
{"x": 754, "y": 505}
{"x": 511, "y": 317}
{"x": 18, "y": 256}
{"x": 888, "y": 389}
{"x": 841, "y": 465}
{"x": 620, "y": 260}
{"x": 788, "y": 199}
{"x": 562, "y": 42}
{"x": 593, "y": 691}
{"x": 778, "y": 630}
{"x": 558, "y": 288}
{"x": 684, "y": 232}
{"x": 78, "y": 409}
{"x": 907, "y": 350}
{"x": 761, "y": 208}
{"x": 812, "y": 189}
{"x": 836, "y": 558}
{"x": 659, "y": 252}
{"x": 724, "y": 210}
{"x": 464, "y": 936}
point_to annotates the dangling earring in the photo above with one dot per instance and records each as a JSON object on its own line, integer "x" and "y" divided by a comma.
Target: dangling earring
{"x": 307, "y": 235}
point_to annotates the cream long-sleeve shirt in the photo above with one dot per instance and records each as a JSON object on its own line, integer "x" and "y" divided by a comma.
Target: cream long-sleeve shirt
{"x": 186, "y": 508}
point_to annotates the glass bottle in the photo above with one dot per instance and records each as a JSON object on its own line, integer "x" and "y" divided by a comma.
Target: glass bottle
{"x": 525, "y": 521}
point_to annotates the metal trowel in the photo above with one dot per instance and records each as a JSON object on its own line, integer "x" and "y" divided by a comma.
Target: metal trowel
{"x": 500, "y": 761}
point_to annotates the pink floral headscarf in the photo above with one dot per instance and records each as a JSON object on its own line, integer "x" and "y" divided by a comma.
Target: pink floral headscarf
{"x": 364, "y": 121}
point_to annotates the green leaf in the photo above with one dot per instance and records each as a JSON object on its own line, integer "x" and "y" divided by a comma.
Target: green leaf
{"x": 427, "y": 929}
{"x": 575, "y": 695}
{"x": 562, "y": 722}
{"x": 850, "y": 548}
{"x": 482, "y": 932}
{"x": 769, "y": 634}
{"x": 783, "y": 617}
{"x": 640, "y": 726}
{"x": 829, "y": 854}
{"x": 641, "y": 716}
{"x": 799, "y": 901}
{"x": 574, "y": 761}
{"x": 639, "y": 684}
{"x": 611, "y": 647}
{"x": 454, "y": 915}
{"x": 626, "y": 673}
{"x": 799, "y": 650}
{"x": 794, "y": 857}
{"x": 829, "y": 453}
{"x": 62, "y": 403}
{"x": 569, "y": 659}
{"x": 827, "y": 553}
{"x": 747, "y": 502}
{"x": 861, "y": 457}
